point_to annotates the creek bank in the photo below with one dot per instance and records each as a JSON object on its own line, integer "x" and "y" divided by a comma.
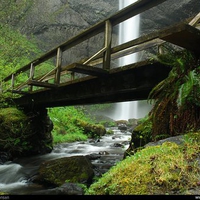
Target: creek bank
{"x": 28, "y": 133}
{"x": 101, "y": 153}
{"x": 98, "y": 160}
{"x": 166, "y": 167}
{"x": 76, "y": 189}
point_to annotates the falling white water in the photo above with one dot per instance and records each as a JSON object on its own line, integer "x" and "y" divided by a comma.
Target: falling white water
{"x": 129, "y": 30}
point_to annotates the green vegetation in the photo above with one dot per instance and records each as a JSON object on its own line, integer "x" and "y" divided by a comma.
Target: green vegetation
{"x": 176, "y": 110}
{"x": 168, "y": 168}
{"x": 157, "y": 169}
{"x": 14, "y": 128}
{"x": 71, "y": 124}
{"x": 161, "y": 169}
{"x": 65, "y": 129}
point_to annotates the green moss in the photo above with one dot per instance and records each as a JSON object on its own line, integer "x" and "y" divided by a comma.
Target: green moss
{"x": 75, "y": 169}
{"x": 13, "y": 130}
{"x": 153, "y": 170}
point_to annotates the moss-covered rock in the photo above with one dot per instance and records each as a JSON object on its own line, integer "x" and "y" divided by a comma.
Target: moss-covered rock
{"x": 14, "y": 130}
{"x": 141, "y": 135}
{"x": 75, "y": 169}
{"x": 23, "y": 134}
{"x": 92, "y": 130}
{"x": 168, "y": 168}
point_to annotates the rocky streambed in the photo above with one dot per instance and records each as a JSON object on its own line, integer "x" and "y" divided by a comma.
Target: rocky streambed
{"x": 81, "y": 160}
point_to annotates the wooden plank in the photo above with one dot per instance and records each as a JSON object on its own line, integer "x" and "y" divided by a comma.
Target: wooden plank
{"x": 184, "y": 36}
{"x": 19, "y": 92}
{"x": 58, "y": 66}
{"x": 85, "y": 69}
{"x": 108, "y": 41}
{"x": 41, "y": 84}
{"x": 195, "y": 20}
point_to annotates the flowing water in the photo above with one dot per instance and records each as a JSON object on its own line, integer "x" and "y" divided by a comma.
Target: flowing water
{"x": 129, "y": 30}
{"x": 15, "y": 177}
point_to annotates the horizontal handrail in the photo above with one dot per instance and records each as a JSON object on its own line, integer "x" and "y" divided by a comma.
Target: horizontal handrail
{"x": 120, "y": 16}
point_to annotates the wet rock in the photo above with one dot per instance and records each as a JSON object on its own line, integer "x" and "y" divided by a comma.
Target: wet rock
{"x": 93, "y": 156}
{"x": 176, "y": 139}
{"x": 122, "y": 127}
{"x": 65, "y": 189}
{"x": 115, "y": 137}
{"x": 103, "y": 153}
{"x": 75, "y": 169}
{"x": 4, "y": 157}
{"x": 94, "y": 140}
{"x": 117, "y": 145}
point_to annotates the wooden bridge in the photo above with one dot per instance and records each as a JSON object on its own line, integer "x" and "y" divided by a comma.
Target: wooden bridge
{"x": 93, "y": 79}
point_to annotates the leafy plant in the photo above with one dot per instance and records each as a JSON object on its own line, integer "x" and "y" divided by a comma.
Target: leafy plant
{"x": 66, "y": 127}
{"x": 176, "y": 98}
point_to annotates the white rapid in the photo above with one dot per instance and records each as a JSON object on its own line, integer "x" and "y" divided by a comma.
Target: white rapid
{"x": 16, "y": 177}
{"x": 129, "y": 30}
{"x": 11, "y": 176}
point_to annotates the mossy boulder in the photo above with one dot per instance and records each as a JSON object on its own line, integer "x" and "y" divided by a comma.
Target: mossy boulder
{"x": 24, "y": 134}
{"x": 165, "y": 169}
{"x": 141, "y": 135}
{"x": 75, "y": 169}
{"x": 14, "y": 130}
{"x": 92, "y": 130}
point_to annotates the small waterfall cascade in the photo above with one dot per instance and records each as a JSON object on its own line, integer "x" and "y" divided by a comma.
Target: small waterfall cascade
{"x": 129, "y": 30}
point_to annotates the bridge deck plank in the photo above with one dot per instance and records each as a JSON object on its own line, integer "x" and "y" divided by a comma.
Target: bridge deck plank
{"x": 88, "y": 70}
{"x": 42, "y": 84}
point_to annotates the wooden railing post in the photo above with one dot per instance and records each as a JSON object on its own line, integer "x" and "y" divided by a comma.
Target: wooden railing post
{"x": 160, "y": 50}
{"x": 31, "y": 75}
{"x": 72, "y": 76}
{"x": 108, "y": 40}
{"x": 58, "y": 66}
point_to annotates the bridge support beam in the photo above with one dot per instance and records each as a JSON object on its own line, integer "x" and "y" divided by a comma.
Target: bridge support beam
{"x": 41, "y": 126}
{"x": 132, "y": 82}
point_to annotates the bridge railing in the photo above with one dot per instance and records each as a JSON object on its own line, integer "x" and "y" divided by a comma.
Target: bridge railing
{"x": 88, "y": 65}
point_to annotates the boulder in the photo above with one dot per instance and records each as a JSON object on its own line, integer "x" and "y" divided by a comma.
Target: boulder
{"x": 75, "y": 169}
{"x": 65, "y": 189}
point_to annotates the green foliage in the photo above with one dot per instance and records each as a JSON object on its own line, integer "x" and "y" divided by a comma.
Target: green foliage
{"x": 65, "y": 124}
{"x": 16, "y": 49}
{"x": 144, "y": 130}
{"x": 14, "y": 130}
{"x": 189, "y": 91}
{"x": 12, "y": 11}
{"x": 153, "y": 170}
{"x": 176, "y": 98}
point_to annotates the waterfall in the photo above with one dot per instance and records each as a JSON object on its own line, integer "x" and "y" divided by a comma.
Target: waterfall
{"x": 129, "y": 30}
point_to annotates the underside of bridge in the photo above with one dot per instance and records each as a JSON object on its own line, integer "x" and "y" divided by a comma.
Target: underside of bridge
{"x": 128, "y": 83}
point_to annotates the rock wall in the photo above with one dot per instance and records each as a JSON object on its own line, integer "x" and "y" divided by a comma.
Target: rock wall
{"x": 53, "y": 22}
{"x": 168, "y": 13}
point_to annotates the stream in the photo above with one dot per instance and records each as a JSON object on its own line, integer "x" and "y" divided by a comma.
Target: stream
{"x": 15, "y": 176}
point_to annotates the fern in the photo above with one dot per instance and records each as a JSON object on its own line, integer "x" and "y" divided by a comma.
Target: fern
{"x": 186, "y": 88}
{"x": 176, "y": 98}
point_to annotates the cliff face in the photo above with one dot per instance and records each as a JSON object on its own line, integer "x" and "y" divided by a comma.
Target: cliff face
{"x": 168, "y": 13}
{"x": 53, "y": 22}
